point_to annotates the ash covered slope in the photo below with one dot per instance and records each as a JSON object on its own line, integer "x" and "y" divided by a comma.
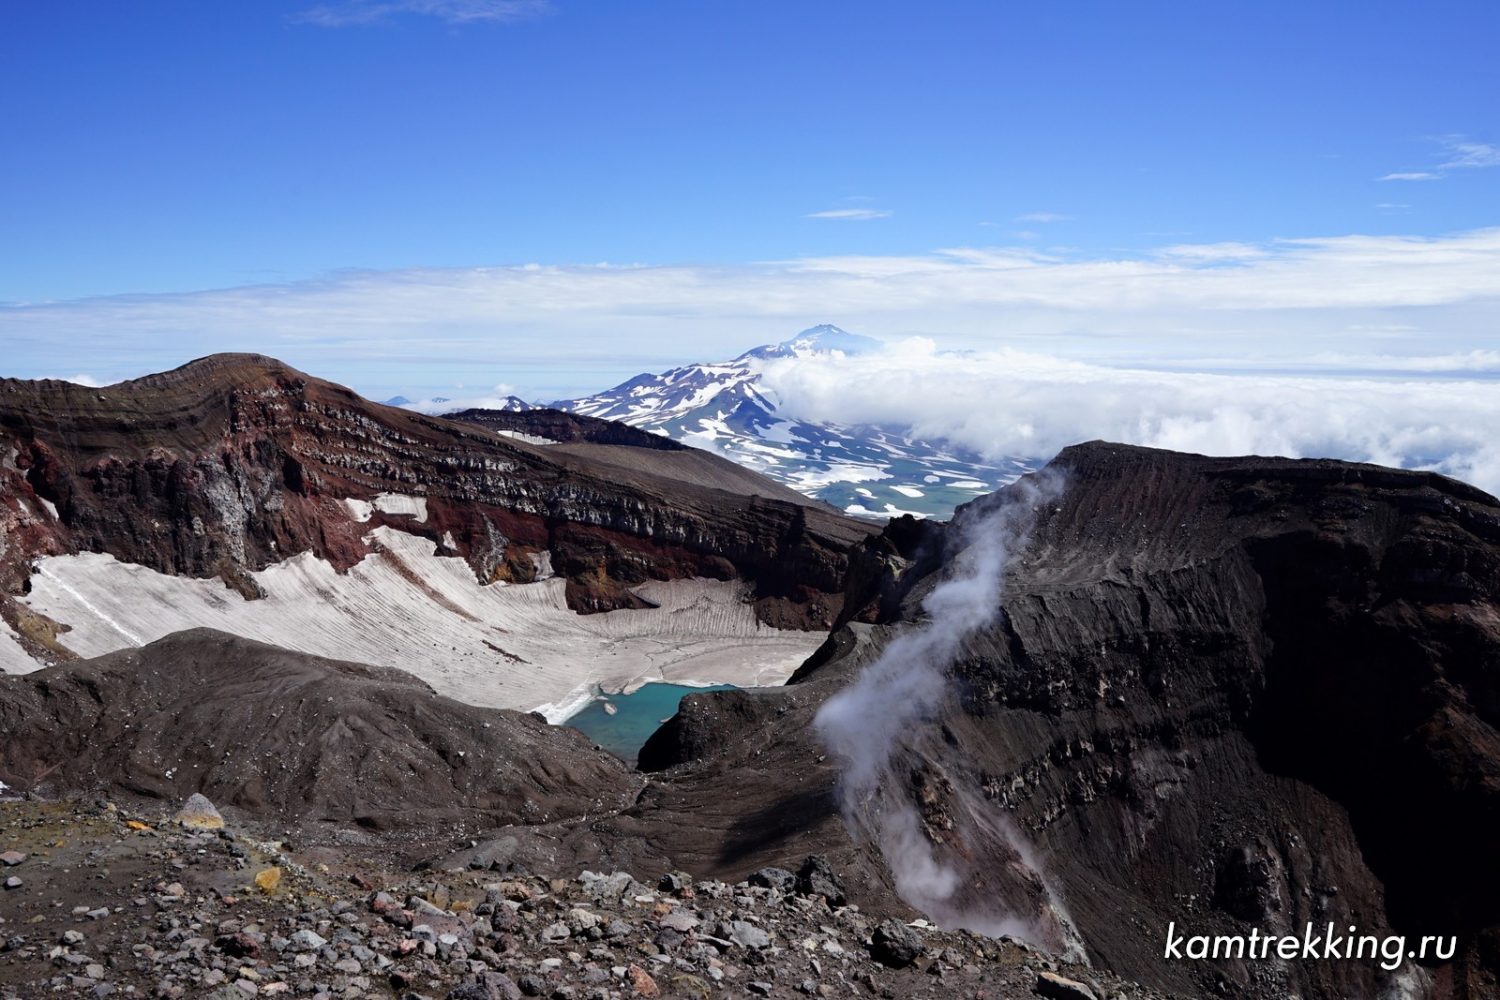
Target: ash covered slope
{"x": 1229, "y": 693}
{"x": 236, "y": 462}
{"x": 288, "y": 737}
{"x": 597, "y": 444}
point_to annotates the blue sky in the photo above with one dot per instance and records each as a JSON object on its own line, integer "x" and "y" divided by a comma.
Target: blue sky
{"x": 172, "y": 146}
{"x": 434, "y": 196}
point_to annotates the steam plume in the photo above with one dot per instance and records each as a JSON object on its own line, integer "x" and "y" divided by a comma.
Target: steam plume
{"x": 869, "y": 723}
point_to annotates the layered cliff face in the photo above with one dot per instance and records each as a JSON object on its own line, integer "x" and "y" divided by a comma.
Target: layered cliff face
{"x": 235, "y": 463}
{"x": 1225, "y": 693}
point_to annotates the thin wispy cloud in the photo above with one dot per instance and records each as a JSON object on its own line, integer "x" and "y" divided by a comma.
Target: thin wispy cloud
{"x": 358, "y": 12}
{"x": 1043, "y": 217}
{"x": 851, "y": 214}
{"x": 1463, "y": 154}
{"x": 1467, "y": 155}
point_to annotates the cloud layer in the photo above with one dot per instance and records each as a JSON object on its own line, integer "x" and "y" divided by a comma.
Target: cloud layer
{"x": 1367, "y": 294}
{"x": 1010, "y": 403}
{"x": 1219, "y": 347}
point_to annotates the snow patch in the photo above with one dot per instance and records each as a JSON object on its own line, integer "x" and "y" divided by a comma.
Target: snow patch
{"x": 400, "y": 505}
{"x": 105, "y": 619}
{"x": 890, "y": 510}
{"x": 13, "y": 656}
{"x": 515, "y": 646}
{"x": 808, "y": 480}
{"x": 908, "y": 491}
{"x": 527, "y": 438}
{"x": 360, "y": 510}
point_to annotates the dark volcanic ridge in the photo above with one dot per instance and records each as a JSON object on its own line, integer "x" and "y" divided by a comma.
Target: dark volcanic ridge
{"x": 296, "y": 738}
{"x": 233, "y": 463}
{"x": 1229, "y": 693}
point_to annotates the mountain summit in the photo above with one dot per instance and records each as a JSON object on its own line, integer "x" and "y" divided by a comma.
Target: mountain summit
{"x": 866, "y": 470}
{"x": 824, "y": 338}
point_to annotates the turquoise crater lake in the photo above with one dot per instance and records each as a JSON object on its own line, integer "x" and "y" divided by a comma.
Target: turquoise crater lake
{"x": 621, "y": 723}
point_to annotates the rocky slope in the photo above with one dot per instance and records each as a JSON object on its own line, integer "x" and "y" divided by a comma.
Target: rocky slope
{"x": 294, "y": 738}
{"x": 236, "y": 462}
{"x": 111, "y": 901}
{"x": 1229, "y": 693}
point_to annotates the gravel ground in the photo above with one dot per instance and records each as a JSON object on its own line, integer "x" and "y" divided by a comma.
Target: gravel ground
{"x": 105, "y": 901}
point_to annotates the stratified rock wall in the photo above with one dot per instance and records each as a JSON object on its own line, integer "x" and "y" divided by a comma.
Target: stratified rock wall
{"x": 235, "y": 462}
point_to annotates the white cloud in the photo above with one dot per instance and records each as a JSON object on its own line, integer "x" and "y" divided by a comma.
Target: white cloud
{"x": 354, "y": 12}
{"x": 84, "y": 380}
{"x": 561, "y": 330}
{"x": 1014, "y": 403}
{"x": 1208, "y": 253}
{"x": 1043, "y": 217}
{"x": 851, "y": 214}
{"x": 462, "y": 398}
{"x": 1465, "y": 154}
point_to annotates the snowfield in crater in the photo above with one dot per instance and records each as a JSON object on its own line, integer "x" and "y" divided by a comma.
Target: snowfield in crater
{"x": 503, "y": 646}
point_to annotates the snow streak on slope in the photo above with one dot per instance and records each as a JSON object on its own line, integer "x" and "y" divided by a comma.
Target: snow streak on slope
{"x": 13, "y": 658}
{"x": 502, "y": 646}
{"x": 866, "y": 470}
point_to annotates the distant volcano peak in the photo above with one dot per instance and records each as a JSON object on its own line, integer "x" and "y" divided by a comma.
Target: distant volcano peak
{"x": 825, "y": 338}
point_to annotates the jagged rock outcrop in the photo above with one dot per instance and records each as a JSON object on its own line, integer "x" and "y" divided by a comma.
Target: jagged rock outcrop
{"x": 1229, "y": 693}
{"x": 291, "y": 737}
{"x": 235, "y": 462}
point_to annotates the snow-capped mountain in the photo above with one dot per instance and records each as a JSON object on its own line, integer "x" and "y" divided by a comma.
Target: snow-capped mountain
{"x": 862, "y": 469}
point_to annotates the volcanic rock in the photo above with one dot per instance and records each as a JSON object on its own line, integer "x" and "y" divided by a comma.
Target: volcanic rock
{"x": 284, "y": 734}
{"x": 1055, "y": 987}
{"x": 1300, "y": 658}
{"x": 771, "y": 877}
{"x": 198, "y": 813}
{"x": 816, "y": 877}
{"x": 895, "y": 944}
{"x": 235, "y": 462}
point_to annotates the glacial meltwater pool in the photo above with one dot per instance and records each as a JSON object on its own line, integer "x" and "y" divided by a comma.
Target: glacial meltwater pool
{"x": 634, "y": 718}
